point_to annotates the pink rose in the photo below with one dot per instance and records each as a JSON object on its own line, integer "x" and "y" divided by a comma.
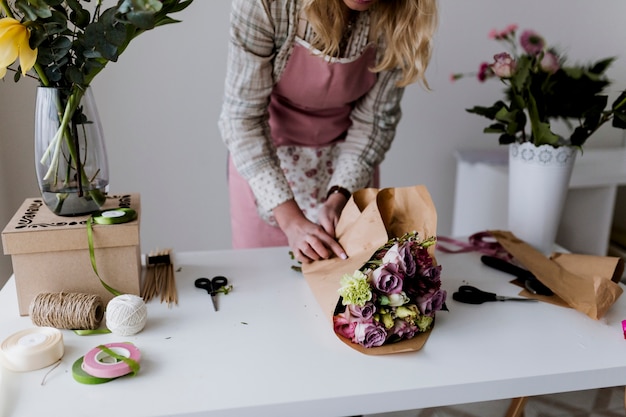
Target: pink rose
{"x": 532, "y": 42}
{"x": 369, "y": 334}
{"x": 504, "y": 65}
{"x": 343, "y": 326}
{"x": 549, "y": 63}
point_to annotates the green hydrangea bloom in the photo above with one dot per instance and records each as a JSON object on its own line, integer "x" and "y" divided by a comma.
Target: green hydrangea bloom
{"x": 355, "y": 289}
{"x": 424, "y": 323}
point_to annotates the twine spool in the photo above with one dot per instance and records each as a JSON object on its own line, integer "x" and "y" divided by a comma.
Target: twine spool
{"x": 126, "y": 315}
{"x": 74, "y": 311}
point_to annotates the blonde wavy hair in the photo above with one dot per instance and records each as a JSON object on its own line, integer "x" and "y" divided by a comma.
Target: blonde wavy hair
{"x": 406, "y": 26}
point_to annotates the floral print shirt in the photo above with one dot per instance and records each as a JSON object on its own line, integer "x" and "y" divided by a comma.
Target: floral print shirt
{"x": 262, "y": 36}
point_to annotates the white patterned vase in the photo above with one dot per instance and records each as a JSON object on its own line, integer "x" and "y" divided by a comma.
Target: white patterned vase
{"x": 538, "y": 182}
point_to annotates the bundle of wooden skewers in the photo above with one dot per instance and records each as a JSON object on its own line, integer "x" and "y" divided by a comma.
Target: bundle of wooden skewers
{"x": 159, "y": 279}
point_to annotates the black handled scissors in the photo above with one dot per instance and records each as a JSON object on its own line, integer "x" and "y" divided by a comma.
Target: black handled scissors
{"x": 472, "y": 295}
{"x": 525, "y": 277}
{"x": 212, "y": 286}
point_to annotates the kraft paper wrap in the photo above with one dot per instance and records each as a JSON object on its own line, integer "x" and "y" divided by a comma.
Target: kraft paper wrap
{"x": 586, "y": 283}
{"x": 371, "y": 217}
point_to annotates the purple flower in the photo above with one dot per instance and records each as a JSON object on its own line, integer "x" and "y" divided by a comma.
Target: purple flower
{"x": 388, "y": 279}
{"x": 423, "y": 258}
{"x": 403, "y": 329}
{"x": 432, "y": 302}
{"x": 410, "y": 266}
{"x": 402, "y": 256}
{"x": 369, "y": 334}
{"x": 484, "y": 72}
{"x": 427, "y": 280}
{"x": 532, "y": 42}
{"x": 364, "y": 313}
{"x": 432, "y": 275}
{"x": 504, "y": 65}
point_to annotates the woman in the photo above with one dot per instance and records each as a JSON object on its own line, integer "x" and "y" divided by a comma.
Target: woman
{"x": 311, "y": 105}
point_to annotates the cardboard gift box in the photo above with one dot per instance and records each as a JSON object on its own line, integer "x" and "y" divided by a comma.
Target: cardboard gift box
{"x": 51, "y": 253}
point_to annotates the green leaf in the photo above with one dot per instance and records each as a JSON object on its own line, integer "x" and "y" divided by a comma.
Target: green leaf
{"x": 521, "y": 78}
{"x": 94, "y": 41}
{"x": 166, "y": 21}
{"x": 74, "y": 75}
{"x": 506, "y": 139}
{"x": 142, "y": 19}
{"x": 601, "y": 66}
{"x": 543, "y": 135}
{"x": 79, "y": 16}
{"x": 495, "y": 128}
{"x": 619, "y": 121}
{"x": 488, "y": 112}
{"x": 620, "y": 103}
{"x": 579, "y": 136}
{"x": 33, "y": 9}
{"x": 619, "y": 111}
{"x": 116, "y": 34}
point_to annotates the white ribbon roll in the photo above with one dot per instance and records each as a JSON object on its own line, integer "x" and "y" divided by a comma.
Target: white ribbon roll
{"x": 31, "y": 349}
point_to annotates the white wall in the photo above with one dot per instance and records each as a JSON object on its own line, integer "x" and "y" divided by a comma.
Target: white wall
{"x": 160, "y": 103}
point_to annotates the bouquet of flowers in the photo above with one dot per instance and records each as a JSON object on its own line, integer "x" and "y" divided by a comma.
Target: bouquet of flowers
{"x": 384, "y": 297}
{"x": 542, "y": 87}
{"x": 393, "y": 297}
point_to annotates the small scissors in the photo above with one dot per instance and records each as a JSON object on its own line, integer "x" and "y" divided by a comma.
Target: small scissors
{"x": 472, "y": 295}
{"x": 212, "y": 286}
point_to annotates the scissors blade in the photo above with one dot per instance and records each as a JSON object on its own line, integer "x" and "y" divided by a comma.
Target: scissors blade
{"x": 503, "y": 298}
{"x": 214, "y": 301}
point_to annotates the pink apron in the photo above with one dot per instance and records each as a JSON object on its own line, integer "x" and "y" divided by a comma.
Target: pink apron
{"x": 309, "y": 109}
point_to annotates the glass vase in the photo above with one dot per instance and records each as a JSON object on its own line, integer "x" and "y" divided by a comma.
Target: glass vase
{"x": 70, "y": 153}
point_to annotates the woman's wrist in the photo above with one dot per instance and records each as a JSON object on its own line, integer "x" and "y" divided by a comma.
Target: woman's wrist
{"x": 286, "y": 213}
{"x": 335, "y": 189}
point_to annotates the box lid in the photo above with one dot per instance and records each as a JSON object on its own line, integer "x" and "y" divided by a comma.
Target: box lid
{"x": 34, "y": 228}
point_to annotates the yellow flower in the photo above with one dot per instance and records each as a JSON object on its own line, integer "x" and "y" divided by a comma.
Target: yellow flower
{"x": 14, "y": 38}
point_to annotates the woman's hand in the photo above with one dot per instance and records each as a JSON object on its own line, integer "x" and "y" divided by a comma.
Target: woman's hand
{"x": 330, "y": 211}
{"x": 308, "y": 241}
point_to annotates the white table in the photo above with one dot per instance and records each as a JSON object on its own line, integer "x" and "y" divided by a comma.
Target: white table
{"x": 481, "y": 197}
{"x": 270, "y": 351}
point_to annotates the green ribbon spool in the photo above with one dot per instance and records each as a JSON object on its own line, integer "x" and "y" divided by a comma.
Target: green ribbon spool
{"x": 111, "y": 216}
{"x": 83, "y": 377}
{"x": 115, "y": 216}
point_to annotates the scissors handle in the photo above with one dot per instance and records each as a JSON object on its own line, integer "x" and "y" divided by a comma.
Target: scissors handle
{"x": 203, "y": 283}
{"x": 472, "y": 295}
{"x": 217, "y": 283}
{"x": 212, "y": 286}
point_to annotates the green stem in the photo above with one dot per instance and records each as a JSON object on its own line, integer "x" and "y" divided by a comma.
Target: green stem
{"x": 42, "y": 75}
{"x": 64, "y": 134}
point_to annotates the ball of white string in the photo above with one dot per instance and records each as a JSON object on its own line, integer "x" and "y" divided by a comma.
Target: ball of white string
{"x": 126, "y": 315}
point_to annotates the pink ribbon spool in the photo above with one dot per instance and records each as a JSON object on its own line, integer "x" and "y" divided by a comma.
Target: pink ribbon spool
{"x": 99, "y": 364}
